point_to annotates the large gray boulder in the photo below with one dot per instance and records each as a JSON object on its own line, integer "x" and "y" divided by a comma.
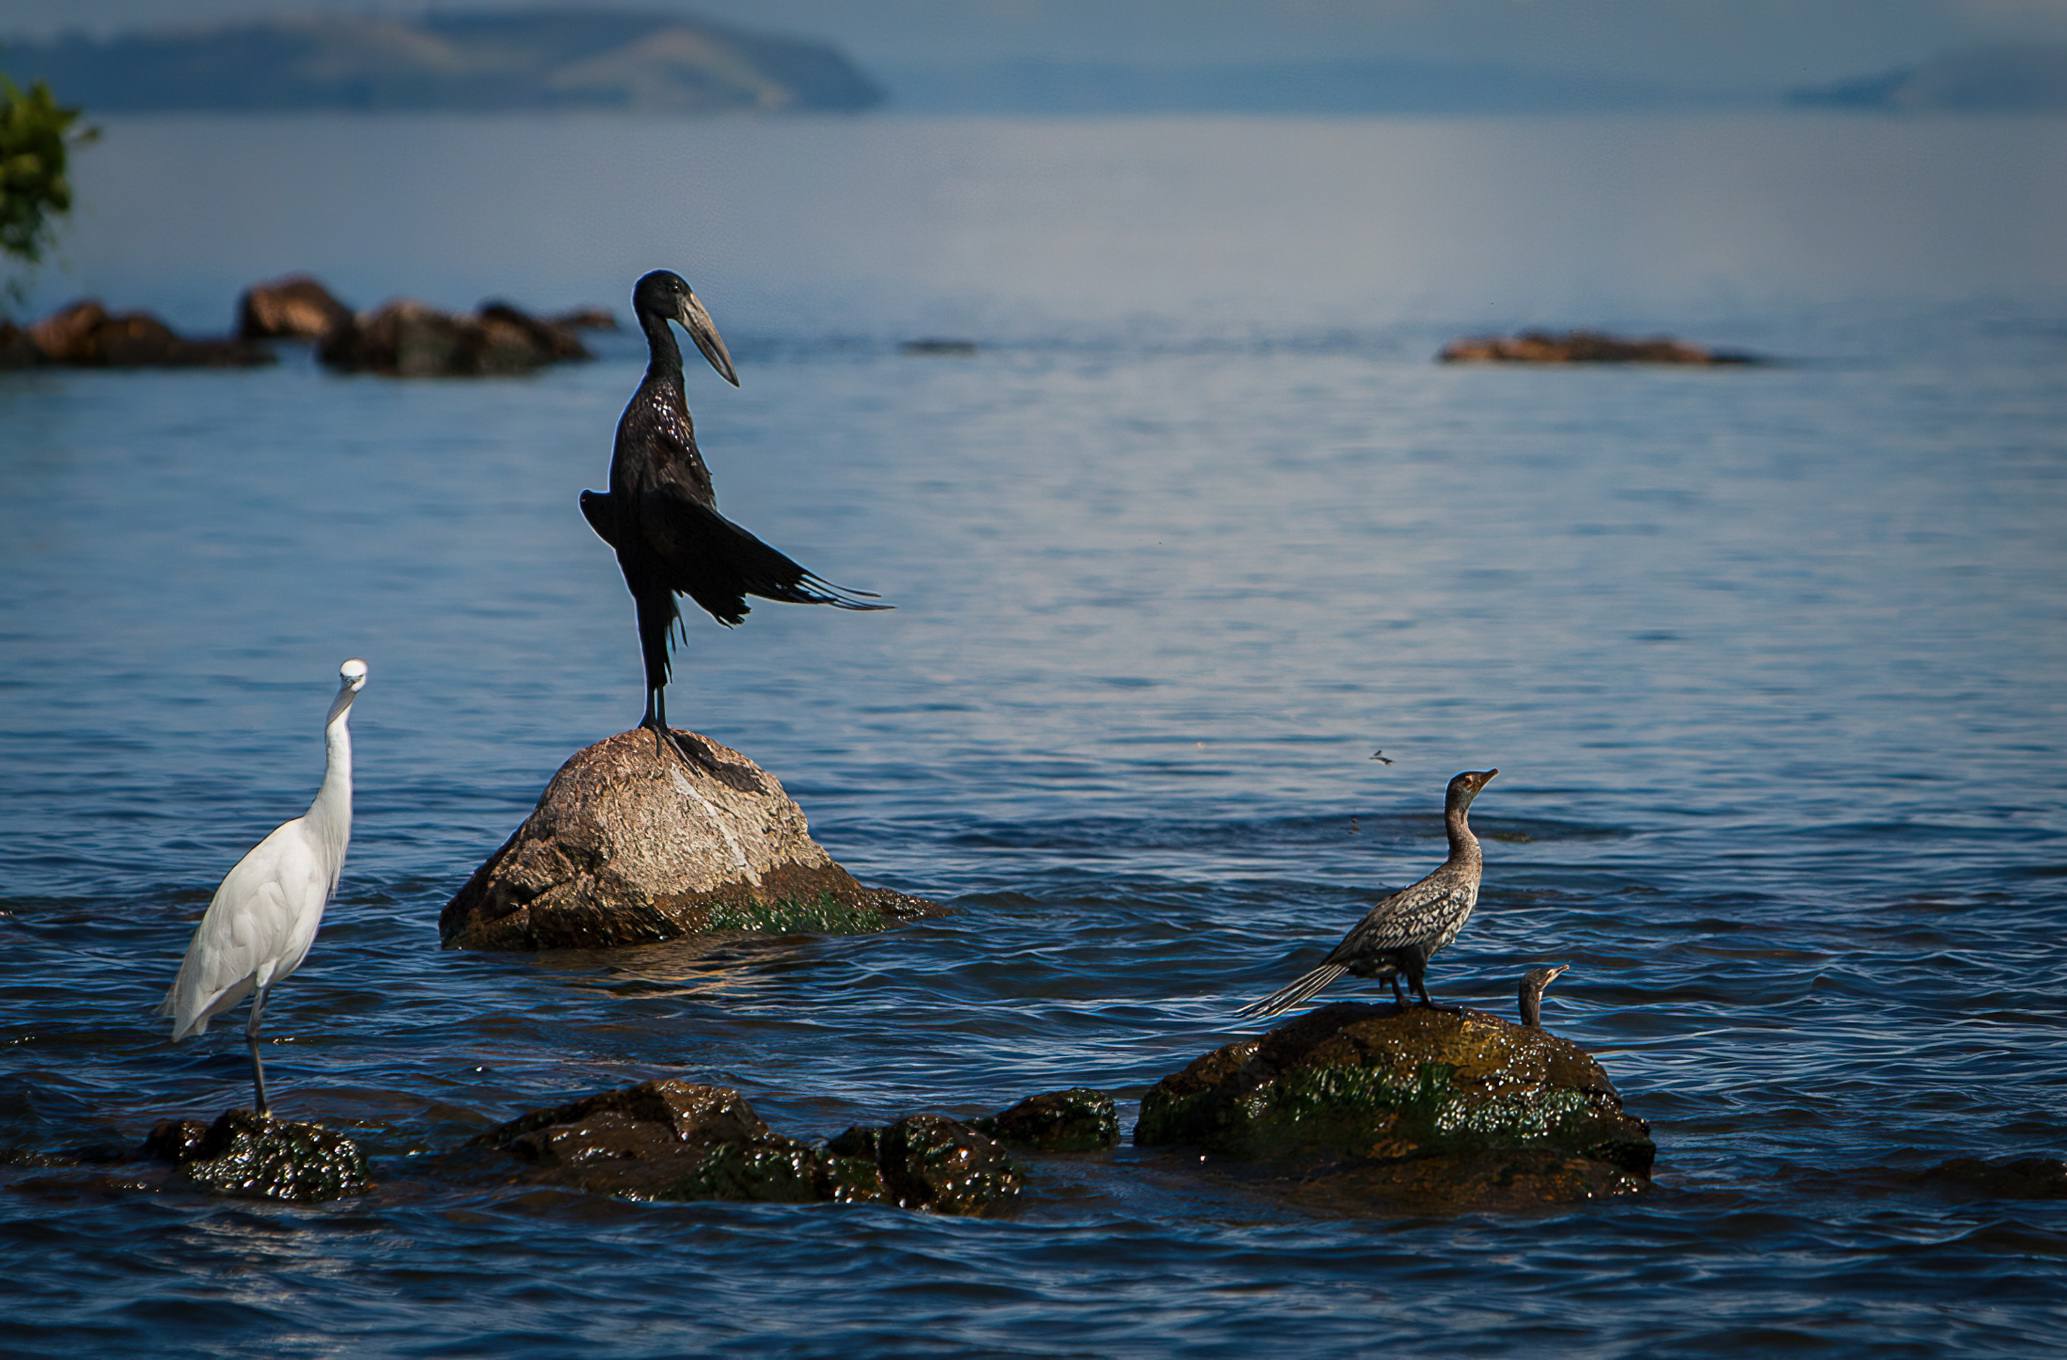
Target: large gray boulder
{"x": 1417, "y": 1109}
{"x": 630, "y": 844}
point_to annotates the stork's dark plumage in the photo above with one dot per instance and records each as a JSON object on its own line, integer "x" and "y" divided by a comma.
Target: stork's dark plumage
{"x": 661, "y": 514}
{"x": 1401, "y": 933}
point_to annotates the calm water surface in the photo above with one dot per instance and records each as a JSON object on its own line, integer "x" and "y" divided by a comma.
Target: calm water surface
{"x": 1771, "y": 660}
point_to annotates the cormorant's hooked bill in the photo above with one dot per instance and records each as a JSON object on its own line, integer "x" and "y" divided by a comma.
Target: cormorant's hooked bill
{"x": 666, "y": 295}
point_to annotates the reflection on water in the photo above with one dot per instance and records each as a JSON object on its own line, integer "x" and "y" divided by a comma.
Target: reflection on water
{"x": 1769, "y": 661}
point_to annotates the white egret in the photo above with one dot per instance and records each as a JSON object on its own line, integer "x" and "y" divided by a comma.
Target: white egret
{"x": 263, "y": 918}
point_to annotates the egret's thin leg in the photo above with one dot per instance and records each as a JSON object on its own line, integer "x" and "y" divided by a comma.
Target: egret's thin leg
{"x": 258, "y": 1069}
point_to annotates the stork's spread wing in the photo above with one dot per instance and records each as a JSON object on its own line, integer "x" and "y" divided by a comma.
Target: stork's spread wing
{"x": 718, "y": 564}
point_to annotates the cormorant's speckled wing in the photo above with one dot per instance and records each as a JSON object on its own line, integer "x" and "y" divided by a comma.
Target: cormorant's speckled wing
{"x": 1408, "y": 917}
{"x": 718, "y": 564}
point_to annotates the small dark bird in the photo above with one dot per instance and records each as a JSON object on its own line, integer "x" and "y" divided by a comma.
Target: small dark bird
{"x": 661, "y": 513}
{"x": 1533, "y": 983}
{"x": 1381, "y": 757}
{"x": 1401, "y": 933}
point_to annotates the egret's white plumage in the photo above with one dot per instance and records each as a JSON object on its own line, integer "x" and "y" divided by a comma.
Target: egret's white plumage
{"x": 264, "y": 917}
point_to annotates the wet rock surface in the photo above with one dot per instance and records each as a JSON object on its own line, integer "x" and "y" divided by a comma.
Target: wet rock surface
{"x": 410, "y": 339}
{"x": 1079, "y": 1119}
{"x": 1417, "y": 1108}
{"x": 677, "y": 1140}
{"x": 85, "y": 334}
{"x": 630, "y": 844}
{"x": 245, "y": 1154}
{"x": 296, "y": 307}
{"x": 929, "y": 1161}
{"x": 1586, "y": 347}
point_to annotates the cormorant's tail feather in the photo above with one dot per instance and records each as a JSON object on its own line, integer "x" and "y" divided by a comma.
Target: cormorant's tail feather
{"x": 1289, "y": 996}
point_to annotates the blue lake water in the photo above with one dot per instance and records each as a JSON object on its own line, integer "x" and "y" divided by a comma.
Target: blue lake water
{"x": 1771, "y": 661}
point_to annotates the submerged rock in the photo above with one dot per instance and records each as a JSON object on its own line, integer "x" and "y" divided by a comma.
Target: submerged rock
{"x": 409, "y": 339}
{"x": 1418, "y": 1107}
{"x": 929, "y": 1161}
{"x": 677, "y": 1140}
{"x": 940, "y": 347}
{"x": 85, "y": 334}
{"x": 250, "y": 1155}
{"x": 2001, "y": 1178}
{"x": 296, "y": 307}
{"x": 1585, "y": 347}
{"x": 630, "y": 844}
{"x": 1077, "y": 1120}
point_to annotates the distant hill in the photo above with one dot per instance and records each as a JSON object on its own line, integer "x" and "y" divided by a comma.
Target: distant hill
{"x": 524, "y": 59}
{"x": 2026, "y": 77}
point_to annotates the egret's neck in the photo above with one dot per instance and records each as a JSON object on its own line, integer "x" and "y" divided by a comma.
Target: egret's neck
{"x": 1463, "y": 845}
{"x": 331, "y": 814}
{"x": 663, "y": 355}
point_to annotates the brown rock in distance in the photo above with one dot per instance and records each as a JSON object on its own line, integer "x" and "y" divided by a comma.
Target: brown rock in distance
{"x": 1585, "y": 347}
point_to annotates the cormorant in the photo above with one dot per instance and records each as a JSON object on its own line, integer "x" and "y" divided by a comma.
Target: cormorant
{"x": 1401, "y": 933}
{"x": 1533, "y": 983}
{"x": 661, "y": 514}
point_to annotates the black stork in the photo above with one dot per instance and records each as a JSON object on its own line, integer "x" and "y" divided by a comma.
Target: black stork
{"x": 661, "y": 513}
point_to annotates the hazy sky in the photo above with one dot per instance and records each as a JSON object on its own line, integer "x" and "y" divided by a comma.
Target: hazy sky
{"x": 1718, "y": 42}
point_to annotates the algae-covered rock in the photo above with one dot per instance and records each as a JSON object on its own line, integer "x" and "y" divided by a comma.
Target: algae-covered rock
{"x": 929, "y": 1161}
{"x": 251, "y": 1155}
{"x": 1421, "y": 1105}
{"x": 631, "y": 844}
{"x": 675, "y": 1140}
{"x": 1076, "y": 1120}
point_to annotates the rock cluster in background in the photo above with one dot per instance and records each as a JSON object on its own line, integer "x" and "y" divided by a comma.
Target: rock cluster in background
{"x": 85, "y": 334}
{"x": 402, "y": 339}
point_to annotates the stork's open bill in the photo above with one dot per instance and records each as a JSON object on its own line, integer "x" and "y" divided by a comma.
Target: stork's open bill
{"x": 263, "y": 919}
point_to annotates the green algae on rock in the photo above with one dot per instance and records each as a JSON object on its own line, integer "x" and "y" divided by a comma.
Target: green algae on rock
{"x": 249, "y": 1155}
{"x": 630, "y": 844}
{"x": 1079, "y": 1119}
{"x": 1423, "y": 1105}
